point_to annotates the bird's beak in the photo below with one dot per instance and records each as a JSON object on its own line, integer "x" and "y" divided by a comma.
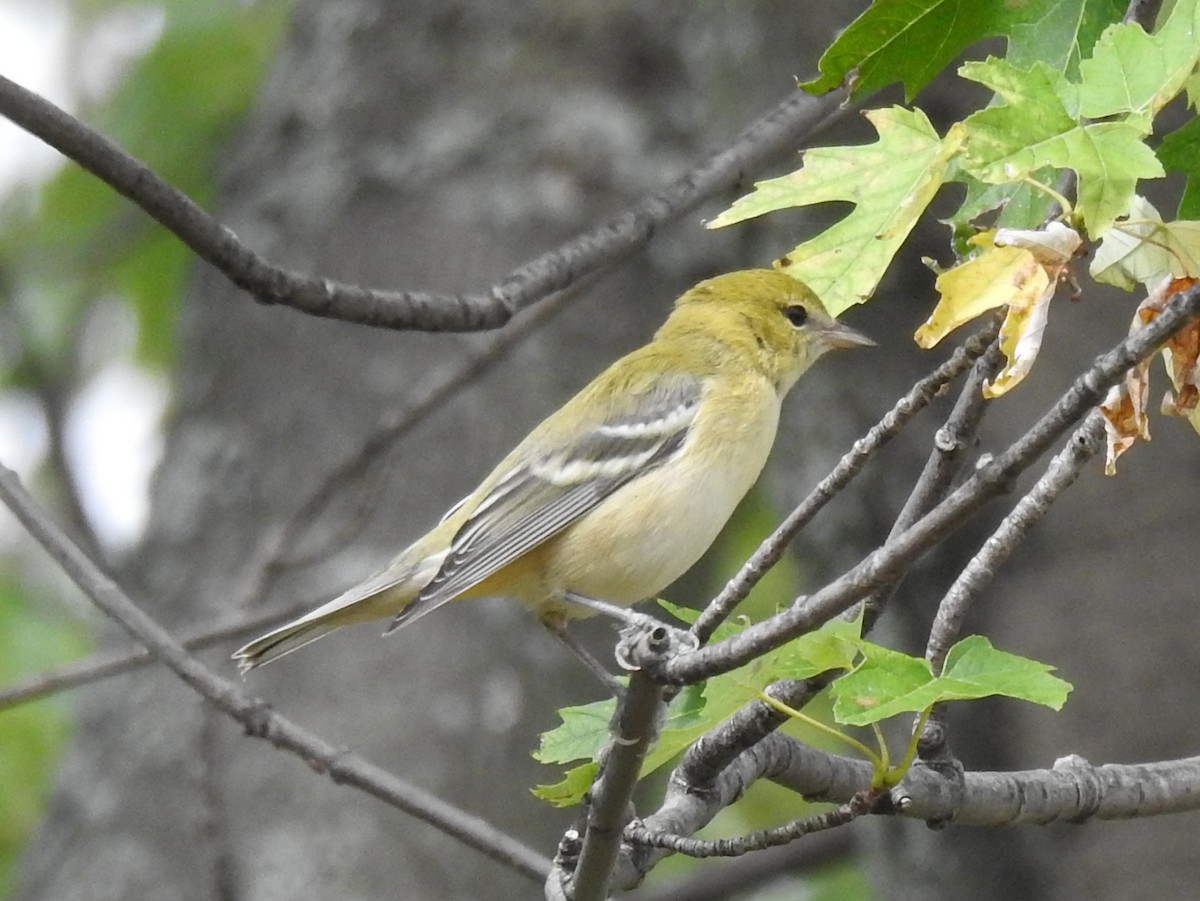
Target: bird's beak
{"x": 840, "y": 335}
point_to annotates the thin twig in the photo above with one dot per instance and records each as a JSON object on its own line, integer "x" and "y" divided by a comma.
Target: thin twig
{"x": 1063, "y": 470}
{"x": 888, "y": 562}
{"x": 736, "y": 877}
{"x": 754, "y": 841}
{"x": 782, "y": 128}
{"x": 828, "y": 777}
{"x": 774, "y": 547}
{"x": 945, "y": 462}
{"x": 256, "y": 717}
{"x": 106, "y": 664}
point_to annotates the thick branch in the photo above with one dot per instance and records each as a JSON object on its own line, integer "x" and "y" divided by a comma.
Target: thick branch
{"x": 783, "y": 127}
{"x": 634, "y": 730}
{"x": 1072, "y": 791}
{"x": 257, "y": 718}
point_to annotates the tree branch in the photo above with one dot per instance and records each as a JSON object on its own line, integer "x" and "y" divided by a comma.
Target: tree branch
{"x": 634, "y": 730}
{"x": 755, "y": 841}
{"x": 256, "y": 717}
{"x": 1072, "y": 791}
{"x": 723, "y": 879}
{"x": 783, "y": 127}
{"x": 945, "y": 461}
{"x": 1063, "y": 470}
{"x": 106, "y": 664}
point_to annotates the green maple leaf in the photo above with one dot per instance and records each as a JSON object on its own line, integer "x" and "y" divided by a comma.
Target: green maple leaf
{"x": 890, "y": 183}
{"x": 696, "y": 710}
{"x": 1131, "y": 72}
{"x": 1180, "y": 152}
{"x": 888, "y": 682}
{"x": 1036, "y": 127}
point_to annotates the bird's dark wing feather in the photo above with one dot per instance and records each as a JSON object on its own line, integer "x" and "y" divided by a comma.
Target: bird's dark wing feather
{"x": 544, "y": 494}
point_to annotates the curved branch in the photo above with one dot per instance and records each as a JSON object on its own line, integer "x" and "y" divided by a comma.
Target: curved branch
{"x": 256, "y": 717}
{"x": 784, "y": 126}
{"x": 1073, "y": 790}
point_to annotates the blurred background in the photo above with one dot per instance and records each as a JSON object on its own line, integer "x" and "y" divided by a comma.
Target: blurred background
{"x": 181, "y": 432}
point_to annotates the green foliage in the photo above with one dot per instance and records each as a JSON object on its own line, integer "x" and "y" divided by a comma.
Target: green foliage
{"x": 1180, "y": 152}
{"x": 1038, "y": 126}
{"x": 882, "y": 684}
{"x": 910, "y": 41}
{"x": 30, "y": 735}
{"x": 697, "y": 709}
{"x": 1084, "y": 104}
{"x": 889, "y": 182}
{"x": 887, "y": 683}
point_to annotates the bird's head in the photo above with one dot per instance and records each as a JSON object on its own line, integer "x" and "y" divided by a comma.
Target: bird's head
{"x": 766, "y": 318}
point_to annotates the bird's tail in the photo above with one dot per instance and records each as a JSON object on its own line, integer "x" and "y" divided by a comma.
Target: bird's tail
{"x": 387, "y": 593}
{"x": 284, "y": 640}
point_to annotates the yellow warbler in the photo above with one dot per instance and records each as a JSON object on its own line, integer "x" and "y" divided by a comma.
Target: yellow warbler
{"x": 621, "y": 490}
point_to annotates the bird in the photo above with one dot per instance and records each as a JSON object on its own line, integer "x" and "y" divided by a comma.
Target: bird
{"x": 618, "y": 492}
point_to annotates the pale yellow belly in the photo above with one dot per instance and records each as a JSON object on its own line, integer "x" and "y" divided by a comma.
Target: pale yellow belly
{"x": 651, "y": 531}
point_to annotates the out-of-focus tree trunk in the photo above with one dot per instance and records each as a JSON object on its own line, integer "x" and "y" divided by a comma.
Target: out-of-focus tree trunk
{"x": 436, "y": 146}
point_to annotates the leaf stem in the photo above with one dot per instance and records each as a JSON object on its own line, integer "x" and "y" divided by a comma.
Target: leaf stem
{"x": 895, "y": 774}
{"x": 1068, "y": 210}
{"x": 876, "y": 762}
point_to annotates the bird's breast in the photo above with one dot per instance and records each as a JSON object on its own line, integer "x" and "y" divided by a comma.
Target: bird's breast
{"x": 651, "y": 530}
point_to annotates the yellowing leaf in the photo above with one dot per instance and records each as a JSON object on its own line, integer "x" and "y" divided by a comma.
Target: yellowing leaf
{"x": 1124, "y": 410}
{"x": 1021, "y": 270}
{"x": 1143, "y": 249}
{"x": 1020, "y": 340}
{"x": 889, "y": 182}
{"x": 1017, "y": 267}
{"x": 998, "y": 276}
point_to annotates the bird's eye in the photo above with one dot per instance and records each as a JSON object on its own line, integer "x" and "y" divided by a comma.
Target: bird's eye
{"x": 796, "y": 315}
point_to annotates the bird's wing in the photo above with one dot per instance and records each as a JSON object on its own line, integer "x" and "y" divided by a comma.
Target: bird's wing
{"x": 544, "y": 493}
